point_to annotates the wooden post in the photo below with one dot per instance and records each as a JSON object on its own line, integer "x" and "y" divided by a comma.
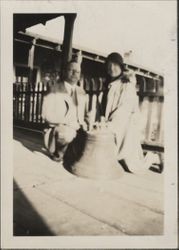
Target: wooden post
{"x": 31, "y": 61}
{"x": 30, "y": 81}
{"x": 67, "y": 40}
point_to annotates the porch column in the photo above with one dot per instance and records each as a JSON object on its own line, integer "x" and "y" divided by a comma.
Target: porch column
{"x": 67, "y": 40}
{"x": 31, "y": 60}
{"x": 27, "y": 113}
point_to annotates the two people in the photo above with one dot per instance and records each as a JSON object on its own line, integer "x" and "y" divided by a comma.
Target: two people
{"x": 64, "y": 109}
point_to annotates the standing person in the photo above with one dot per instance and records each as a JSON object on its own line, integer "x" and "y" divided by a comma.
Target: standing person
{"x": 121, "y": 112}
{"x": 64, "y": 109}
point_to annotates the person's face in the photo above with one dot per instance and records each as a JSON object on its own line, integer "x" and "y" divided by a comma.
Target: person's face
{"x": 73, "y": 72}
{"x": 113, "y": 69}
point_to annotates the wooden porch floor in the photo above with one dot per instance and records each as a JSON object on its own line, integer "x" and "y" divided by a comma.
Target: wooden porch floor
{"x": 49, "y": 200}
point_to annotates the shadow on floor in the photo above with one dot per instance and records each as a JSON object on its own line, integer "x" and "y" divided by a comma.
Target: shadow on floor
{"x": 75, "y": 150}
{"x": 26, "y": 220}
{"x": 33, "y": 141}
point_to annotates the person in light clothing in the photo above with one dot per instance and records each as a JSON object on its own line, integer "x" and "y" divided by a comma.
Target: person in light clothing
{"x": 64, "y": 110}
{"x": 120, "y": 110}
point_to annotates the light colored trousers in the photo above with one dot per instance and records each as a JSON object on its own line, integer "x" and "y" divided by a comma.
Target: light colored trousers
{"x": 58, "y": 136}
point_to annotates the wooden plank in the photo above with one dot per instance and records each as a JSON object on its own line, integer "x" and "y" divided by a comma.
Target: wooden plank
{"x": 90, "y": 93}
{"x": 154, "y": 121}
{"x": 147, "y": 181}
{"x": 124, "y": 215}
{"x": 37, "y": 102}
{"x": 18, "y": 102}
{"x": 97, "y": 199}
{"x": 27, "y": 103}
{"x": 36, "y": 213}
{"x": 16, "y": 94}
{"x": 139, "y": 196}
{"x": 21, "y": 101}
{"x": 161, "y": 124}
{"x": 147, "y": 136}
{"x": 23, "y": 106}
{"x": 32, "y": 104}
{"x": 33, "y": 167}
{"x": 41, "y": 100}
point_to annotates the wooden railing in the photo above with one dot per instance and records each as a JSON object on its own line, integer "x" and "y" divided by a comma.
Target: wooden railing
{"x": 27, "y": 105}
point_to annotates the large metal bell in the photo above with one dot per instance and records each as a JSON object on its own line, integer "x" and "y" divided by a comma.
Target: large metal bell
{"x": 99, "y": 159}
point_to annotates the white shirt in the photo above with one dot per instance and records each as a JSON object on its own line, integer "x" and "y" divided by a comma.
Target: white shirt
{"x": 69, "y": 87}
{"x": 71, "y": 91}
{"x": 53, "y": 114}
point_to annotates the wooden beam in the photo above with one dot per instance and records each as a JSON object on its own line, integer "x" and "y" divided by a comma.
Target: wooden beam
{"x": 31, "y": 60}
{"x": 67, "y": 40}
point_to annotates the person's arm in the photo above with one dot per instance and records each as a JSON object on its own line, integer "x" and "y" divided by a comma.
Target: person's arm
{"x": 54, "y": 108}
{"x": 128, "y": 97}
{"x": 126, "y": 104}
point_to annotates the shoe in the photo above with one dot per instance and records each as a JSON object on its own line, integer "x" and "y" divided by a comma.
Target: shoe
{"x": 156, "y": 168}
{"x": 56, "y": 158}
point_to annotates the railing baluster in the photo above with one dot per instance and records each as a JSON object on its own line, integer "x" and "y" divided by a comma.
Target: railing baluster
{"x": 15, "y": 98}
{"x": 93, "y": 108}
{"x": 161, "y": 122}
{"x": 18, "y": 116}
{"x": 90, "y": 94}
{"x": 37, "y": 102}
{"x": 27, "y": 112}
{"x": 149, "y": 115}
{"x": 144, "y": 109}
{"x": 84, "y": 85}
{"x": 159, "y": 114}
{"x": 32, "y": 103}
{"x": 41, "y": 101}
{"x": 23, "y": 102}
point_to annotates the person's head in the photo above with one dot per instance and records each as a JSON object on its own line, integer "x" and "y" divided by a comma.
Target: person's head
{"x": 72, "y": 72}
{"x": 114, "y": 65}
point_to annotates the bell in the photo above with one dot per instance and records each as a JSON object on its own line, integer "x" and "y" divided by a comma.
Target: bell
{"x": 99, "y": 159}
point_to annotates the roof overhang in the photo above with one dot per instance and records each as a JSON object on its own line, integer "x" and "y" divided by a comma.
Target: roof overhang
{"x": 23, "y": 21}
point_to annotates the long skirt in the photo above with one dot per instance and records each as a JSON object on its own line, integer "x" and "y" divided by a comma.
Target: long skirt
{"x": 130, "y": 149}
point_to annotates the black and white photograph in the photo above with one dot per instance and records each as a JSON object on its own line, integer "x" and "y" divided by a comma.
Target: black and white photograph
{"x": 89, "y": 124}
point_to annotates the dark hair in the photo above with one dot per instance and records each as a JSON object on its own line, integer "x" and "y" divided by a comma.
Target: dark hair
{"x": 68, "y": 63}
{"x": 115, "y": 58}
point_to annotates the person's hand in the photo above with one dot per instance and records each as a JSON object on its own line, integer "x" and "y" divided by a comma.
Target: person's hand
{"x": 84, "y": 126}
{"x": 102, "y": 119}
{"x": 65, "y": 133}
{"x": 110, "y": 126}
